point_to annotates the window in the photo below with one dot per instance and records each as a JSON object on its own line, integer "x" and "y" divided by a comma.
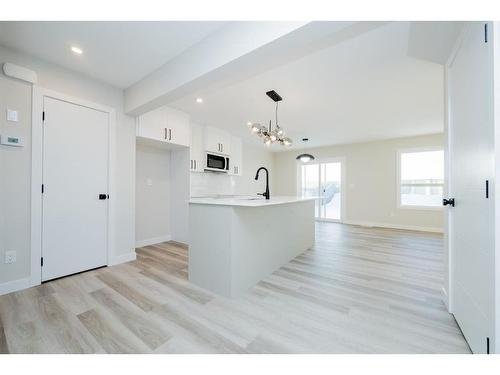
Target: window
{"x": 421, "y": 178}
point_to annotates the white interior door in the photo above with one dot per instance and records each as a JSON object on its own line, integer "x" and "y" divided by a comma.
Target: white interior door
{"x": 471, "y": 228}
{"x": 324, "y": 179}
{"x": 75, "y": 173}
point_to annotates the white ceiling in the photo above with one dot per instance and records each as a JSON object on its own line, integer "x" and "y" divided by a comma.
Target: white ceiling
{"x": 363, "y": 89}
{"x": 119, "y": 53}
{"x": 378, "y": 85}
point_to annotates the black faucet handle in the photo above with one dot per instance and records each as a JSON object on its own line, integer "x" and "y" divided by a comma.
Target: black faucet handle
{"x": 265, "y": 194}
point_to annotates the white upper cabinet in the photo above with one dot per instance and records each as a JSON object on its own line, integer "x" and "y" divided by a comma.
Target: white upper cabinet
{"x": 178, "y": 127}
{"x": 236, "y": 160}
{"x": 152, "y": 124}
{"x": 166, "y": 125}
{"x": 217, "y": 140}
{"x": 197, "y": 149}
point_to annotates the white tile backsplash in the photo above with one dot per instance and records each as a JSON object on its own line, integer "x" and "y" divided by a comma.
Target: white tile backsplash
{"x": 209, "y": 183}
{"x": 213, "y": 183}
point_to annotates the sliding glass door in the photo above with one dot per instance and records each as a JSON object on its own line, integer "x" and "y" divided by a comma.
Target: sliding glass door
{"x": 324, "y": 180}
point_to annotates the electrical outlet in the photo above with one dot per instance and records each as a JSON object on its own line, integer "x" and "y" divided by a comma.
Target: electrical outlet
{"x": 10, "y": 257}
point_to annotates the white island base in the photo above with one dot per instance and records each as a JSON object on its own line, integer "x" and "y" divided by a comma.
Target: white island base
{"x": 235, "y": 243}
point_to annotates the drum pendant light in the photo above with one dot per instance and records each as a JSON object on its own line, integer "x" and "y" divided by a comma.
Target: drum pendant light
{"x": 304, "y": 157}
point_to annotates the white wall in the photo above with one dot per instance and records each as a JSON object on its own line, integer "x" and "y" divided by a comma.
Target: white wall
{"x": 371, "y": 174}
{"x": 162, "y": 209}
{"x": 219, "y": 183}
{"x": 15, "y": 169}
{"x": 61, "y": 80}
{"x": 179, "y": 175}
{"x": 162, "y": 202}
{"x": 152, "y": 213}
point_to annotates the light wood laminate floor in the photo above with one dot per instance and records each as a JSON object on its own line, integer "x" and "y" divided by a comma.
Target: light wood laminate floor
{"x": 359, "y": 290}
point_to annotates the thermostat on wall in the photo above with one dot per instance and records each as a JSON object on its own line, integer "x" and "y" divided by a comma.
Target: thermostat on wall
{"x": 9, "y": 140}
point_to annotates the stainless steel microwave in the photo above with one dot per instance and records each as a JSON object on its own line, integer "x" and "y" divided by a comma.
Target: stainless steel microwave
{"x": 216, "y": 163}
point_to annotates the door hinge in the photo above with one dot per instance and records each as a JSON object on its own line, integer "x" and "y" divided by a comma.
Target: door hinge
{"x": 486, "y": 33}
{"x": 43, "y": 188}
{"x": 487, "y": 345}
{"x": 487, "y": 189}
{"x": 41, "y": 261}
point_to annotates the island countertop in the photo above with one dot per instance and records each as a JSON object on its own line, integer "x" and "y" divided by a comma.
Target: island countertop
{"x": 248, "y": 201}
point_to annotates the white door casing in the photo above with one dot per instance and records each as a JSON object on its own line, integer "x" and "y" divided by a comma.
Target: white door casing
{"x": 471, "y": 164}
{"x": 39, "y": 96}
{"x": 75, "y": 173}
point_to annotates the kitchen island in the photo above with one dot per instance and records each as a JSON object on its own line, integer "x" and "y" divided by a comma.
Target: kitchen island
{"x": 237, "y": 241}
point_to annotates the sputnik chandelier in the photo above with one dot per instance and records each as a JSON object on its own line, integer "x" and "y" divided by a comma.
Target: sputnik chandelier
{"x": 267, "y": 133}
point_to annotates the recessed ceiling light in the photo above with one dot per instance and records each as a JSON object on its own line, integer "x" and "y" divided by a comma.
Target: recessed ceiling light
{"x": 199, "y": 100}
{"x": 77, "y": 50}
{"x": 249, "y": 123}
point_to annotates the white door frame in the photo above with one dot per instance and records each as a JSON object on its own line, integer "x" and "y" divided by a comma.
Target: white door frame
{"x": 39, "y": 94}
{"x": 343, "y": 200}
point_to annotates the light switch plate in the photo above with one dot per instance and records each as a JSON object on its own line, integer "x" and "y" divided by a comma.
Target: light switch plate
{"x": 12, "y": 115}
{"x": 10, "y": 140}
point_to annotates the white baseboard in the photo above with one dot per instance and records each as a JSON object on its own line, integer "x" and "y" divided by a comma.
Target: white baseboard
{"x": 394, "y": 226}
{"x": 153, "y": 241}
{"x": 122, "y": 258}
{"x": 15, "y": 285}
{"x": 27, "y": 282}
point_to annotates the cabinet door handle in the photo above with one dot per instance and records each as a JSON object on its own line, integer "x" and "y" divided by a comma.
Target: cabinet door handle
{"x": 195, "y": 164}
{"x": 165, "y": 133}
{"x": 191, "y": 164}
{"x": 169, "y": 134}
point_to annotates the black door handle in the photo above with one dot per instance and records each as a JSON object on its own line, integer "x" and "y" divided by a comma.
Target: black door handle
{"x": 103, "y": 196}
{"x": 450, "y": 202}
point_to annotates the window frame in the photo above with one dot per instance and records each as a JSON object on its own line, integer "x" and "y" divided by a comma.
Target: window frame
{"x": 398, "y": 177}
{"x": 336, "y": 159}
